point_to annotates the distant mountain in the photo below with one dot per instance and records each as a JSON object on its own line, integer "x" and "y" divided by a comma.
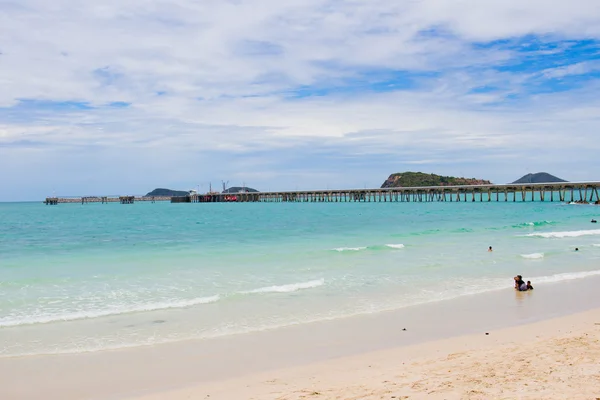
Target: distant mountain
{"x": 540, "y": 177}
{"x": 417, "y": 179}
{"x": 160, "y": 192}
{"x": 239, "y": 189}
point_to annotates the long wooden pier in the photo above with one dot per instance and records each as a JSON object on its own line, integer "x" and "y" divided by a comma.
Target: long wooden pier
{"x": 578, "y": 192}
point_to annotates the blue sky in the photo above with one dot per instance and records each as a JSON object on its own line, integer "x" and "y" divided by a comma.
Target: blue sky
{"x": 112, "y": 98}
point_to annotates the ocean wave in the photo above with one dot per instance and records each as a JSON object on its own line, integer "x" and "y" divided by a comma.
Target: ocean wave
{"x": 77, "y": 315}
{"x": 565, "y": 276}
{"x": 153, "y": 306}
{"x": 427, "y": 232}
{"x": 395, "y": 246}
{"x": 463, "y": 230}
{"x": 535, "y": 223}
{"x": 370, "y": 248}
{"x": 502, "y": 284}
{"x": 565, "y": 234}
{"x": 340, "y": 249}
{"x": 533, "y": 256}
{"x": 292, "y": 287}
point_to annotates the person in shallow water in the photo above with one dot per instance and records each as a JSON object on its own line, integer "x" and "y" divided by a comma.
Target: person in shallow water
{"x": 519, "y": 282}
{"x": 490, "y": 248}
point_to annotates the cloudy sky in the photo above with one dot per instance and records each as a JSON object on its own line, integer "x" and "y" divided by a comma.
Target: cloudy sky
{"x": 117, "y": 97}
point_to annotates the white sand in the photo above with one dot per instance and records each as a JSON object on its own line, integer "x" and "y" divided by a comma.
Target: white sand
{"x": 553, "y": 359}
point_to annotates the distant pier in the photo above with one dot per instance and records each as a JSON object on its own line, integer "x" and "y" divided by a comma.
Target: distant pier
{"x": 580, "y": 192}
{"x": 105, "y": 199}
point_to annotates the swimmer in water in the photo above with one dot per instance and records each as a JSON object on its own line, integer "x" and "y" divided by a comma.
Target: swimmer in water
{"x": 529, "y": 287}
{"x": 576, "y": 248}
{"x": 490, "y": 248}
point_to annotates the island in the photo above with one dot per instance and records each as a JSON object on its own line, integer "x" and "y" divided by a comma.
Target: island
{"x": 420, "y": 179}
{"x": 540, "y": 177}
{"x": 161, "y": 192}
{"x": 239, "y": 189}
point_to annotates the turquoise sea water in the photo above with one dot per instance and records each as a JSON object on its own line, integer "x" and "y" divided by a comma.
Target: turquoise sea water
{"x": 91, "y": 277}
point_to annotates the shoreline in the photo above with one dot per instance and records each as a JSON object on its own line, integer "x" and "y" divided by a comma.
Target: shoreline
{"x": 158, "y": 319}
{"x": 155, "y": 369}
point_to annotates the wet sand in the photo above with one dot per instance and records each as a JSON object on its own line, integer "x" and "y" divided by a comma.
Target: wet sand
{"x": 443, "y": 343}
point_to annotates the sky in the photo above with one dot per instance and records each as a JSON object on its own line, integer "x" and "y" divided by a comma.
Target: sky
{"x": 120, "y": 97}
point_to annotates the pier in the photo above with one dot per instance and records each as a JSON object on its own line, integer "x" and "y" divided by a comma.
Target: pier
{"x": 126, "y": 199}
{"x": 105, "y": 199}
{"x": 579, "y": 192}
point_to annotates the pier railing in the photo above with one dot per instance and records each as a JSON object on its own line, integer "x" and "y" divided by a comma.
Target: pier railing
{"x": 579, "y": 192}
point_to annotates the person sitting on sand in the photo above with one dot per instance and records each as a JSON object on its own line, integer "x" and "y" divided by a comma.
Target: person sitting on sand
{"x": 529, "y": 287}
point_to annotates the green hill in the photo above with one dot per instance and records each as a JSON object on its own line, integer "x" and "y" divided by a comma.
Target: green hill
{"x": 540, "y": 177}
{"x": 239, "y": 189}
{"x": 417, "y": 179}
{"x": 161, "y": 192}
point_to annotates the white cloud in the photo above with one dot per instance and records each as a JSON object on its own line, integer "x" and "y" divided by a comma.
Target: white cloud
{"x": 195, "y": 49}
{"x": 219, "y": 75}
{"x": 580, "y": 68}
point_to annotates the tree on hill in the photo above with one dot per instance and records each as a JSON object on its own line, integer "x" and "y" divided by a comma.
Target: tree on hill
{"x": 419, "y": 179}
{"x": 239, "y": 189}
{"x": 161, "y": 192}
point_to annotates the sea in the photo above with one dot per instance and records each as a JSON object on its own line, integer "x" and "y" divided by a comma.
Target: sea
{"x": 83, "y": 278}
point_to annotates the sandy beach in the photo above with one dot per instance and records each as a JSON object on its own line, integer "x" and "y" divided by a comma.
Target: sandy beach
{"x": 554, "y": 359}
{"x": 540, "y": 344}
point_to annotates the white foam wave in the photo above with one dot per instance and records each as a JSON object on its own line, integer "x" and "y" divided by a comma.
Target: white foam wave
{"x": 565, "y": 277}
{"x": 596, "y": 245}
{"x": 501, "y": 284}
{"x": 76, "y": 315}
{"x": 565, "y": 234}
{"x": 536, "y": 223}
{"x": 292, "y": 287}
{"x": 533, "y": 256}
{"x": 395, "y": 246}
{"x": 349, "y": 249}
